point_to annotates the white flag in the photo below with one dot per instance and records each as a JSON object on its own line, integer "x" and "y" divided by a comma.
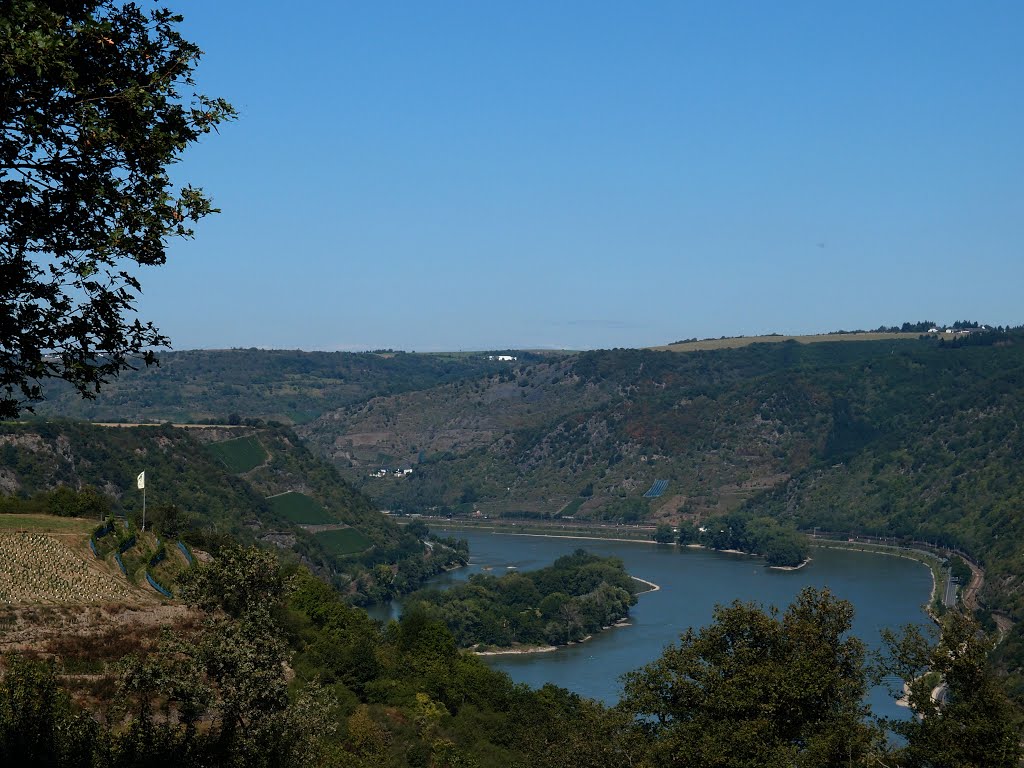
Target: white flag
{"x": 141, "y": 479}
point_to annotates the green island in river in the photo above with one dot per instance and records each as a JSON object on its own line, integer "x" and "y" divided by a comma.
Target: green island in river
{"x": 576, "y": 596}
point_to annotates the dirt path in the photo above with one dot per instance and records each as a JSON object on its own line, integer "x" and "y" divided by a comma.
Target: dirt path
{"x": 970, "y": 592}
{"x": 970, "y": 599}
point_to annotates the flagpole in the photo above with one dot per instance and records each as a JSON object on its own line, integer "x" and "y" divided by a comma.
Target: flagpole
{"x": 140, "y": 481}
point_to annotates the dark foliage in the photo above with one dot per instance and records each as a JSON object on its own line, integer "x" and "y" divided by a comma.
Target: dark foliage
{"x": 96, "y": 102}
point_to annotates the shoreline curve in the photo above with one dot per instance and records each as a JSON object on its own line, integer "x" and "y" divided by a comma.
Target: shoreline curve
{"x": 653, "y": 587}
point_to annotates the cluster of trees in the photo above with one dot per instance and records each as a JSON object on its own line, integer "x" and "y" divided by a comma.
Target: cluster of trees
{"x": 385, "y": 572}
{"x": 564, "y": 602}
{"x": 97, "y": 100}
{"x": 62, "y": 501}
{"x": 754, "y": 688}
{"x": 921, "y": 326}
{"x": 780, "y": 545}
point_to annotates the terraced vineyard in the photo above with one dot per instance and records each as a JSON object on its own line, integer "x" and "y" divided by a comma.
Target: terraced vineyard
{"x": 656, "y": 489}
{"x": 343, "y": 541}
{"x": 299, "y": 508}
{"x": 36, "y": 568}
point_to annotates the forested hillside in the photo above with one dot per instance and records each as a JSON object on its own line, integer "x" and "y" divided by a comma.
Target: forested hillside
{"x": 193, "y": 494}
{"x": 275, "y": 669}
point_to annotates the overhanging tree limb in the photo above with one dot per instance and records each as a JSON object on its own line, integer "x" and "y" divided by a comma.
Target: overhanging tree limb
{"x": 97, "y": 100}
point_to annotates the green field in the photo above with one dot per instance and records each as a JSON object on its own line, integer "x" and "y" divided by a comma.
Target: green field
{"x": 343, "y": 541}
{"x": 572, "y": 507}
{"x": 299, "y": 508}
{"x": 240, "y": 454}
{"x": 742, "y": 341}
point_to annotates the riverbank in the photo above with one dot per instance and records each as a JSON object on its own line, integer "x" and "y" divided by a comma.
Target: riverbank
{"x": 520, "y": 650}
{"x": 653, "y": 587}
{"x": 514, "y": 650}
{"x": 642, "y": 536}
{"x": 887, "y": 592}
{"x": 790, "y": 567}
{"x": 505, "y": 532}
{"x": 512, "y": 530}
{"x": 639, "y": 534}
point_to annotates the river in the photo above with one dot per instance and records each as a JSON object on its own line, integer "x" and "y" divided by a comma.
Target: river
{"x": 886, "y": 591}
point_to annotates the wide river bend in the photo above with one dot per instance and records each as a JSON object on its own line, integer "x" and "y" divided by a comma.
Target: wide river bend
{"x": 886, "y": 591}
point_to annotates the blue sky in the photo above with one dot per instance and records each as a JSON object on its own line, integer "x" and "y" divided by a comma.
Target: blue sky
{"x": 460, "y": 175}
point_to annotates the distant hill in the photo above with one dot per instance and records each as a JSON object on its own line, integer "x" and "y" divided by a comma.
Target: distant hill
{"x": 910, "y": 436}
{"x": 288, "y": 386}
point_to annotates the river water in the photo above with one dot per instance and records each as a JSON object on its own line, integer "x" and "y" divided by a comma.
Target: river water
{"x": 886, "y": 591}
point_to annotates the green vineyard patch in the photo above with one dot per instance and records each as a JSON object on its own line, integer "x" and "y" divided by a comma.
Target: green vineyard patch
{"x": 343, "y": 541}
{"x": 299, "y": 508}
{"x": 242, "y": 454}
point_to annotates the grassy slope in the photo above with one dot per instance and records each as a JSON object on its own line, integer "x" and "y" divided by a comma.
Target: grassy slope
{"x": 46, "y": 524}
{"x": 299, "y": 508}
{"x": 343, "y": 541}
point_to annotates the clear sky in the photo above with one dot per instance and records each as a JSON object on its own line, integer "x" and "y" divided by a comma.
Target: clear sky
{"x": 467, "y": 175}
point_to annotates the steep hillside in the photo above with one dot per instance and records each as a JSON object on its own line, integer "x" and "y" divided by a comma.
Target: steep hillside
{"x": 193, "y": 495}
{"x": 289, "y": 386}
{"x": 716, "y": 426}
{"x": 452, "y": 419}
{"x": 928, "y": 448}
